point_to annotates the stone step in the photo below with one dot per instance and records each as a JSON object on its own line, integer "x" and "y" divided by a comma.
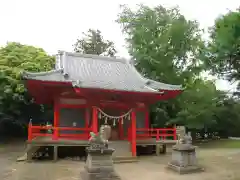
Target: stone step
{"x": 31, "y": 150}
{"x": 125, "y": 159}
{"x": 121, "y": 148}
{"x": 117, "y": 154}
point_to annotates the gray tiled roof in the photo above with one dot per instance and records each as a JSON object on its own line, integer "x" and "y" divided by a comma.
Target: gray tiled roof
{"x": 92, "y": 71}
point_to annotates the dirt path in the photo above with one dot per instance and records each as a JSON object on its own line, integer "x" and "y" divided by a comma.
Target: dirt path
{"x": 221, "y": 164}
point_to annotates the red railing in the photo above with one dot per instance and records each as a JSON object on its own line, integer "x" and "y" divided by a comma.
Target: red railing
{"x": 36, "y": 131}
{"x": 158, "y": 133}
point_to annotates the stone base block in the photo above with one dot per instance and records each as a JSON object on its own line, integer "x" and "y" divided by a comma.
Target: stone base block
{"x": 185, "y": 170}
{"x": 99, "y": 176}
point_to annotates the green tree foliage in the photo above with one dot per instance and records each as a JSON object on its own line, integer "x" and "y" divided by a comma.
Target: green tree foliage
{"x": 223, "y": 53}
{"x": 164, "y": 44}
{"x": 94, "y": 43}
{"x": 167, "y": 47}
{"x": 199, "y": 104}
{"x": 14, "y": 59}
{"x": 228, "y": 117}
{"x": 222, "y": 58}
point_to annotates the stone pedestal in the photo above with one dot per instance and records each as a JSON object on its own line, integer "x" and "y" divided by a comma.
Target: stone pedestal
{"x": 184, "y": 159}
{"x": 99, "y": 165}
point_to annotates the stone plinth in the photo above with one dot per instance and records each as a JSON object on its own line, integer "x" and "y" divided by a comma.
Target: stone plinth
{"x": 184, "y": 159}
{"x": 99, "y": 165}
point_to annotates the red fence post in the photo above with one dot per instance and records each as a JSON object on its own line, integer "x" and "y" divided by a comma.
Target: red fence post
{"x": 158, "y": 135}
{"x": 174, "y": 133}
{"x": 55, "y": 133}
{"x": 164, "y": 134}
{"x": 30, "y": 131}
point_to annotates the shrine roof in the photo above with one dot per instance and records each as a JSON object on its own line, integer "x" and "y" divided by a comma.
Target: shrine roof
{"x": 92, "y": 71}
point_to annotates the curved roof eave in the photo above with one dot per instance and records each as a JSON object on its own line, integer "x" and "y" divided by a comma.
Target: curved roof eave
{"x": 161, "y": 86}
{"x": 54, "y": 75}
{"x": 35, "y": 74}
{"x": 155, "y": 84}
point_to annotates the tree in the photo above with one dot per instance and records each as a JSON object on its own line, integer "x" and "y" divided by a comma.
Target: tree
{"x": 167, "y": 47}
{"x": 223, "y": 49}
{"x": 94, "y": 43}
{"x": 14, "y": 59}
{"x": 164, "y": 44}
{"x": 228, "y": 118}
{"x": 199, "y": 104}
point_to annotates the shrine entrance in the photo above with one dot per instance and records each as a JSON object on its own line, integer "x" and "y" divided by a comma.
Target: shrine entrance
{"x": 117, "y": 121}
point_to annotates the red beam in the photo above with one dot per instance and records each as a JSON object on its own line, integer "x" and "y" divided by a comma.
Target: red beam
{"x": 41, "y": 134}
{"x": 74, "y": 129}
{"x": 72, "y": 106}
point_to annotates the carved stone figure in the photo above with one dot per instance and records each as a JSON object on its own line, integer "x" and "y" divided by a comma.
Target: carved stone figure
{"x": 184, "y": 156}
{"x": 98, "y": 141}
{"x": 99, "y": 164}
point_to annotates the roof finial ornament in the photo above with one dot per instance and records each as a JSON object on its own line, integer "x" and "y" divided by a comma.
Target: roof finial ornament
{"x": 66, "y": 75}
{"x": 30, "y": 121}
{"x": 132, "y": 61}
{"x": 60, "y": 52}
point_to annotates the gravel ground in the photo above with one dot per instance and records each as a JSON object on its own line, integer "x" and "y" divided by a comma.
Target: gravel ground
{"x": 221, "y": 164}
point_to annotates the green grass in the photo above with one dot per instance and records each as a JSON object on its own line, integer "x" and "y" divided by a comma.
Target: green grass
{"x": 225, "y": 143}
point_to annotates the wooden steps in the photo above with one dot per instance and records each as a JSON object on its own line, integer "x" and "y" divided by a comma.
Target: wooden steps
{"x": 121, "y": 148}
{"x": 122, "y": 153}
{"x": 28, "y": 153}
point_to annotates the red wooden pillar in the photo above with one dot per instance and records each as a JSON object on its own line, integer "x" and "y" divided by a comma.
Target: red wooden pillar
{"x": 94, "y": 120}
{"x": 133, "y": 133}
{"x": 87, "y": 120}
{"x": 130, "y": 130}
{"x": 56, "y": 119}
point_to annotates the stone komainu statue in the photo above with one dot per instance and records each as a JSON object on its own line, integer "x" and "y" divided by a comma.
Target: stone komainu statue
{"x": 100, "y": 139}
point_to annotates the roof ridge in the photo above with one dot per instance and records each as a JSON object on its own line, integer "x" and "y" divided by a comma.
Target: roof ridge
{"x": 94, "y": 56}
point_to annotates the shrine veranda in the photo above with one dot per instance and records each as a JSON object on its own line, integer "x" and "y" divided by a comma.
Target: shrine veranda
{"x": 88, "y": 91}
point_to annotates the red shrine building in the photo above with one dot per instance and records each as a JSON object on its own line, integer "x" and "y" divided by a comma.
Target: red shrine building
{"x": 88, "y": 91}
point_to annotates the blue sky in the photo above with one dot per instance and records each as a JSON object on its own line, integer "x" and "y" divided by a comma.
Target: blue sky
{"x": 56, "y": 24}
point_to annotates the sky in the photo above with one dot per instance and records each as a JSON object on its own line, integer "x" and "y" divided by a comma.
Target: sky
{"x": 56, "y": 24}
